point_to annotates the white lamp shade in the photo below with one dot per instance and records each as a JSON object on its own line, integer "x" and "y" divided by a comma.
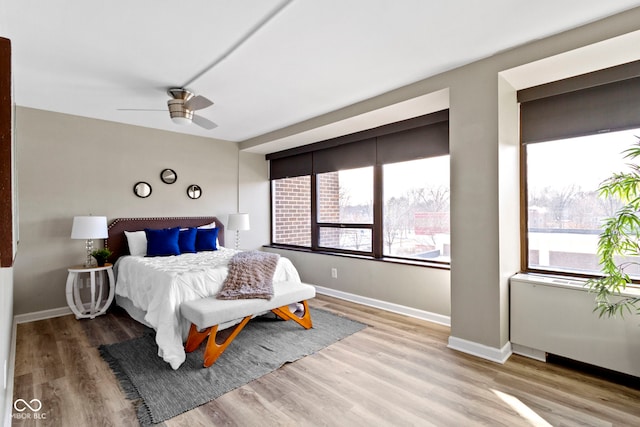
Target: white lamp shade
{"x": 89, "y": 227}
{"x": 238, "y": 221}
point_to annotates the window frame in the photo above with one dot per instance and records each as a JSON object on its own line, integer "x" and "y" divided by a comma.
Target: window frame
{"x": 272, "y": 216}
{"x": 387, "y": 135}
{"x": 375, "y": 232}
{"x": 571, "y": 96}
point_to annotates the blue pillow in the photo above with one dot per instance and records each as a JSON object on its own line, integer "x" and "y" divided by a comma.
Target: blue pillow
{"x": 206, "y": 239}
{"x": 187, "y": 240}
{"x": 162, "y": 242}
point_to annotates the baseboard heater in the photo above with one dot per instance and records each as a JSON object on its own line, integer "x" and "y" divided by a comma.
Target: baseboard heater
{"x": 555, "y": 315}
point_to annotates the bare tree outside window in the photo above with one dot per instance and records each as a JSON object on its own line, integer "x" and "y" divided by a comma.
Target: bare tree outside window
{"x": 416, "y": 209}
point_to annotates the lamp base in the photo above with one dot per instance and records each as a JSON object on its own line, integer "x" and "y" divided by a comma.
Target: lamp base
{"x": 89, "y": 262}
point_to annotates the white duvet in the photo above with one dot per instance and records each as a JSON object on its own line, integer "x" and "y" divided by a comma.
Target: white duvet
{"x": 158, "y": 285}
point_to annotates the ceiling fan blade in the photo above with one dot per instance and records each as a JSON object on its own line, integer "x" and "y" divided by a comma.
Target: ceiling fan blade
{"x": 198, "y": 103}
{"x": 139, "y": 109}
{"x": 204, "y": 123}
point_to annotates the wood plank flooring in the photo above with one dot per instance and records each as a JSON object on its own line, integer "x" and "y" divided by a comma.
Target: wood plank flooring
{"x": 396, "y": 372}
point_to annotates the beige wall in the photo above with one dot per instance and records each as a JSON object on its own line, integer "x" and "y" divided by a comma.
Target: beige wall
{"x": 420, "y": 288}
{"x": 254, "y": 199}
{"x": 70, "y": 166}
{"x": 484, "y": 171}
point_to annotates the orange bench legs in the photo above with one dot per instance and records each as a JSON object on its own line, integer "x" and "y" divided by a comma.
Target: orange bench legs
{"x": 219, "y": 340}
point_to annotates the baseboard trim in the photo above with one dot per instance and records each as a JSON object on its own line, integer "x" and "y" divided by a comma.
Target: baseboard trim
{"x": 499, "y": 355}
{"x": 41, "y": 315}
{"x": 532, "y": 353}
{"x": 387, "y": 306}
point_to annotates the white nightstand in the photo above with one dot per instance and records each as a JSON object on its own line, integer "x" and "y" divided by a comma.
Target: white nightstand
{"x": 96, "y": 306}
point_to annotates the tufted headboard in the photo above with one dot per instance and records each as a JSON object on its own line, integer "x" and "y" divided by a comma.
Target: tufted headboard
{"x": 117, "y": 242}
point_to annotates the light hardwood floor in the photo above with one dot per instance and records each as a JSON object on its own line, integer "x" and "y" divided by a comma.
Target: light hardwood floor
{"x": 396, "y": 372}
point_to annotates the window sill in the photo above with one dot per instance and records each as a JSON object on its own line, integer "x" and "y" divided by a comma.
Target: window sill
{"x": 572, "y": 282}
{"x": 569, "y": 277}
{"x": 403, "y": 261}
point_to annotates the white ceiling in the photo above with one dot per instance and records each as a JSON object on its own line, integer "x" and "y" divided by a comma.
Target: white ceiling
{"x": 267, "y": 64}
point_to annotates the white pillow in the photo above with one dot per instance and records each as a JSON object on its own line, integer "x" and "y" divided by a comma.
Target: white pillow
{"x": 137, "y": 241}
{"x": 204, "y": 227}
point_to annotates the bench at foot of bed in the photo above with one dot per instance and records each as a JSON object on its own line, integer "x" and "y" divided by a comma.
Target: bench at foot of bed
{"x": 207, "y": 314}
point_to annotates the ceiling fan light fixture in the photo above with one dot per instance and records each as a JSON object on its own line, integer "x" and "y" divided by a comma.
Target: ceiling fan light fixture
{"x": 179, "y": 114}
{"x": 182, "y": 106}
{"x": 182, "y": 121}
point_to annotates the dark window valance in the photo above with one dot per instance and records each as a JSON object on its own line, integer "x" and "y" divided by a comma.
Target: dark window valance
{"x": 420, "y": 137}
{"x": 608, "y": 100}
{"x": 348, "y": 156}
{"x": 419, "y": 143}
{"x": 290, "y": 167}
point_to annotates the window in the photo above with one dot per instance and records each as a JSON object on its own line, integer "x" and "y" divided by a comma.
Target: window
{"x": 574, "y": 133}
{"x": 345, "y": 209}
{"x": 564, "y": 210}
{"x": 292, "y": 211}
{"x": 379, "y": 193}
{"x": 416, "y": 209}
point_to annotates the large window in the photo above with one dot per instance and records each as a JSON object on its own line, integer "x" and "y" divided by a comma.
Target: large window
{"x": 565, "y": 212}
{"x": 574, "y": 134}
{"x": 379, "y": 193}
{"x": 416, "y": 209}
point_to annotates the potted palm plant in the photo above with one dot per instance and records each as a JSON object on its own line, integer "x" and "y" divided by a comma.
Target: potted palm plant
{"x": 619, "y": 242}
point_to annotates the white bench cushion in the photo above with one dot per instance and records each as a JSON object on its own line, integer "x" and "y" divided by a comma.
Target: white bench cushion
{"x": 210, "y": 311}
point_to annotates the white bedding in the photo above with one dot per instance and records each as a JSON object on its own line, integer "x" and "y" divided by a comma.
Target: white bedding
{"x": 158, "y": 285}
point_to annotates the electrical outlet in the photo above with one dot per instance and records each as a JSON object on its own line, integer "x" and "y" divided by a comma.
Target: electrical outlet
{"x": 334, "y": 273}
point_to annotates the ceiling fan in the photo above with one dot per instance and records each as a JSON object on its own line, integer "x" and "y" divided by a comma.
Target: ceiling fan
{"x": 184, "y": 103}
{"x": 181, "y": 107}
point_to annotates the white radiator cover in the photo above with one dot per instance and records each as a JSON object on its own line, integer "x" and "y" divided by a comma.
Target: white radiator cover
{"x": 554, "y": 315}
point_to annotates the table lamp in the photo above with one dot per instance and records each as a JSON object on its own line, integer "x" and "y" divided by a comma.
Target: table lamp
{"x": 89, "y": 228}
{"x": 238, "y": 222}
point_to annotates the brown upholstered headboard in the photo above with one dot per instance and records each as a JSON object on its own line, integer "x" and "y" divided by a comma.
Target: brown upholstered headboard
{"x": 117, "y": 242}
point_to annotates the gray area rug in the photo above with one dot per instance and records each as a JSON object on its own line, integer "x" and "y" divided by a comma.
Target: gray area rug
{"x": 265, "y": 344}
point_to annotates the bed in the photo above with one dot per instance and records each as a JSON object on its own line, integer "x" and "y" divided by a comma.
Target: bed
{"x": 151, "y": 288}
